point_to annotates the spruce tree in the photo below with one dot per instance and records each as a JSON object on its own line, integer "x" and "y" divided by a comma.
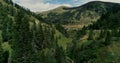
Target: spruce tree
{"x": 107, "y": 38}
{"x": 21, "y": 41}
{"x": 90, "y": 37}
{"x": 38, "y": 36}
{"x": 1, "y": 50}
{"x": 60, "y": 55}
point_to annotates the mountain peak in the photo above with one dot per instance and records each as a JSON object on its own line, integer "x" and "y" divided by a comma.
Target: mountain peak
{"x": 95, "y": 2}
{"x": 62, "y": 7}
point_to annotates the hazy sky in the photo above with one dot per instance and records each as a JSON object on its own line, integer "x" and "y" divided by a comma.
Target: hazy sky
{"x": 44, "y": 5}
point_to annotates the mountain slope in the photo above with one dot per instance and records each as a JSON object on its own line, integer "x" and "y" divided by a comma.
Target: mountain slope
{"x": 25, "y": 38}
{"x": 110, "y": 20}
{"x": 77, "y": 17}
{"x": 98, "y": 42}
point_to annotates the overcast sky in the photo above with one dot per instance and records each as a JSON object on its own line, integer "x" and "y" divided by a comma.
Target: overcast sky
{"x": 44, "y": 5}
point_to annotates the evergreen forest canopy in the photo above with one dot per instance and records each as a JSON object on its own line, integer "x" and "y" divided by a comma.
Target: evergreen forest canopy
{"x": 27, "y": 37}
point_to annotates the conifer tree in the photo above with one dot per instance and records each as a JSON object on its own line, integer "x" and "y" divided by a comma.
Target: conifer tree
{"x": 21, "y": 41}
{"x": 90, "y": 37}
{"x": 60, "y": 55}
{"x": 107, "y": 38}
{"x": 38, "y": 36}
{"x": 1, "y": 50}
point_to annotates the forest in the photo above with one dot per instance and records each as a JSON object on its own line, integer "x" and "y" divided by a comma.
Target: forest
{"x": 27, "y": 37}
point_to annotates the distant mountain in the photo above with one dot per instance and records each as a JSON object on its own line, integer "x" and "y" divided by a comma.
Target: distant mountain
{"x": 77, "y": 17}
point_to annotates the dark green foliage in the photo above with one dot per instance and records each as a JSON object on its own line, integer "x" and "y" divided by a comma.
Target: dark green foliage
{"x": 107, "y": 38}
{"x": 35, "y": 42}
{"x": 88, "y": 52}
{"x": 49, "y": 39}
{"x": 80, "y": 33}
{"x": 83, "y": 54}
{"x": 6, "y": 57}
{"x": 72, "y": 50}
{"x": 21, "y": 41}
{"x": 60, "y": 55}
{"x": 115, "y": 32}
{"x": 28, "y": 45}
{"x": 38, "y": 36}
{"x": 6, "y": 29}
{"x": 1, "y": 52}
{"x": 62, "y": 30}
{"x": 91, "y": 34}
{"x": 47, "y": 57}
{"x": 110, "y": 20}
{"x": 91, "y": 49}
{"x": 101, "y": 35}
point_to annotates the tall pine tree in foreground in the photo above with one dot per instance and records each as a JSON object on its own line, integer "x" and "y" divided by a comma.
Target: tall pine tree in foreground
{"x": 20, "y": 43}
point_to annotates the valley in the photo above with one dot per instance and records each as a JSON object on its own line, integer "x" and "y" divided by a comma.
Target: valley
{"x": 89, "y": 33}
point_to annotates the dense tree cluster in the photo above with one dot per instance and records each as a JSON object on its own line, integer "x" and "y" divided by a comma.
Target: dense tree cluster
{"x": 62, "y": 30}
{"x": 32, "y": 41}
{"x": 108, "y": 28}
{"x": 29, "y": 43}
{"x": 110, "y": 20}
{"x": 90, "y": 51}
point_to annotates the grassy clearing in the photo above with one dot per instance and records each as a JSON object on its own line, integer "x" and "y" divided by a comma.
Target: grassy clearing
{"x": 62, "y": 40}
{"x": 6, "y": 46}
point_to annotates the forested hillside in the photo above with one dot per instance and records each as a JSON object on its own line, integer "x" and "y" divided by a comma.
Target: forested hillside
{"x": 98, "y": 42}
{"x": 77, "y": 17}
{"x": 110, "y": 20}
{"x": 26, "y": 37}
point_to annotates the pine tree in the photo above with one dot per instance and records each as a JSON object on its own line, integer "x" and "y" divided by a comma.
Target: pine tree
{"x": 1, "y": 50}
{"x": 90, "y": 37}
{"x": 107, "y": 38}
{"x": 60, "y": 55}
{"x": 21, "y": 42}
{"x": 7, "y": 29}
{"x": 101, "y": 35}
{"x": 38, "y": 36}
{"x": 4, "y": 29}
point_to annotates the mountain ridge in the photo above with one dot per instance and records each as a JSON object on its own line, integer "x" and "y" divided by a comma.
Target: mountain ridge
{"x": 74, "y": 16}
{"x": 67, "y": 7}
